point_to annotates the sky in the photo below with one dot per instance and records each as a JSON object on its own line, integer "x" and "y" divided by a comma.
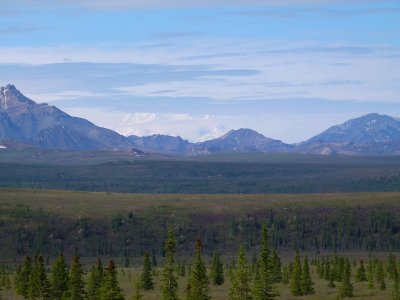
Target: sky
{"x": 288, "y": 69}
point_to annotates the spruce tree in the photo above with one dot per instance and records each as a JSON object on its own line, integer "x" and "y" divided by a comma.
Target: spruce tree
{"x": 240, "y": 289}
{"x": 380, "y": 276}
{"x": 217, "y": 270}
{"x": 22, "y": 278}
{"x": 361, "y": 274}
{"x": 346, "y": 287}
{"x": 137, "y": 295}
{"x": 264, "y": 287}
{"x": 396, "y": 286}
{"x": 169, "y": 284}
{"x": 198, "y": 287}
{"x": 110, "y": 289}
{"x": 286, "y": 275}
{"x": 391, "y": 266}
{"x": 95, "y": 281}
{"x": 276, "y": 267}
{"x": 306, "y": 281}
{"x": 331, "y": 282}
{"x": 340, "y": 268}
{"x": 382, "y": 283}
{"x": 328, "y": 273}
{"x": 76, "y": 285}
{"x": 39, "y": 286}
{"x": 370, "y": 269}
{"x": 295, "y": 282}
{"x": 59, "y": 277}
{"x": 146, "y": 279}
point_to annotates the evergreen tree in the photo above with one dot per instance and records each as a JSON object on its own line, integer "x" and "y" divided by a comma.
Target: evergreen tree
{"x": 95, "y": 281}
{"x": 264, "y": 287}
{"x": 169, "y": 284}
{"x": 59, "y": 278}
{"x": 240, "y": 289}
{"x": 146, "y": 279}
{"x": 137, "y": 294}
{"x": 295, "y": 283}
{"x": 361, "y": 276}
{"x": 22, "y": 278}
{"x": 198, "y": 287}
{"x": 39, "y": 286}
{"x": 110, "y": 289}
{"x": 154, "y": 258}
{"x": 217, "y": 270}
{"x": 370, "y": 269}
{"x": 276, "y": 267}
{"x": 76, "y": 285}
{"x": 306, "y": 281}
{"x": 396, "y": 286}
{"x": 319, "y": 268}
{"x": 285, "y": 275}
{"x": 331, "y": 282}
{"x": 340, "y": 268}
{"x": 346, "y": 287}
{"x": 380, "y": 276}
{"x": 328, "y": 273}
{"x": 391, "y": 266}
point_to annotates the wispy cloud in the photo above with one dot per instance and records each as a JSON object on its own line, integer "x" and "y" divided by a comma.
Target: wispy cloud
{"x": 211, "y": 69}
{"x": 21, "y": 29}
{"x": 167, "y": 35}
{"x": 162, "y": 4}
{"x": 321, "y": 11}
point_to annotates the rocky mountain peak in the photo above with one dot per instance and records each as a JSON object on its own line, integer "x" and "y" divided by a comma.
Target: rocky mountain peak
{"x": 242, "y": 132}
{"x": 11, "y": 97}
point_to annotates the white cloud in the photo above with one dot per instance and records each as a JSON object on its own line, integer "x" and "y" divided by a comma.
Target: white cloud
{"x": 193, "y": 127}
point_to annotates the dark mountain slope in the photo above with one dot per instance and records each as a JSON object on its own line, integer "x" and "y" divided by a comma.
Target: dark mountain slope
{"x": 46, "y": 126}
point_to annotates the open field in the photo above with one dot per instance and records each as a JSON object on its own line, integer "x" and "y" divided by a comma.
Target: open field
{"x": 98, "y": 204}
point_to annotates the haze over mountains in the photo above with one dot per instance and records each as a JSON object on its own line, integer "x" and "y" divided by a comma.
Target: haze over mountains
{"x": 41, "y": 125}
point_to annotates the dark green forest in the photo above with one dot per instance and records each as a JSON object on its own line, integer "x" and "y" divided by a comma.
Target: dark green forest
{"x": 263, "y": 276}
{"x": 236, "y": 174}
{"x": 119, "y": 225}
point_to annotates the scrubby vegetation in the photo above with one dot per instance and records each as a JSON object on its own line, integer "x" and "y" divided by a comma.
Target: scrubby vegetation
{"x": 126, "y": 226}
{"x": 230, "y": 174}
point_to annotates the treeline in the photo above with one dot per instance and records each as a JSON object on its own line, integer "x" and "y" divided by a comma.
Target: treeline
{"x": 366, "y": 228}
{"x": 262, "y": 278}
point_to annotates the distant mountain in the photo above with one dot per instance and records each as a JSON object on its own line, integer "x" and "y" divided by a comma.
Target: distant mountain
{"x": 372, "y": 134}
{"x": 239, "y": 141}
{"x": 25, "y": 122}
{"x": 46, "y": 126}
{"x": 164, "y": 144}
{"x": 242, "y": 140}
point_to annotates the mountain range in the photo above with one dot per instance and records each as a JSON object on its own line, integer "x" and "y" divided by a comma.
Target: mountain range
{"x": 24, "y": 121}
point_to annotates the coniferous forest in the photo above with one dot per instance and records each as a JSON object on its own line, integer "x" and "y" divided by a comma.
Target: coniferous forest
{"x": 263, "y": 275}
{"x": 78, "y": 245}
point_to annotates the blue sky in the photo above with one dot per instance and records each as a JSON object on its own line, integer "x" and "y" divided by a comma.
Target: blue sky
{"x": 199, "y": 68}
